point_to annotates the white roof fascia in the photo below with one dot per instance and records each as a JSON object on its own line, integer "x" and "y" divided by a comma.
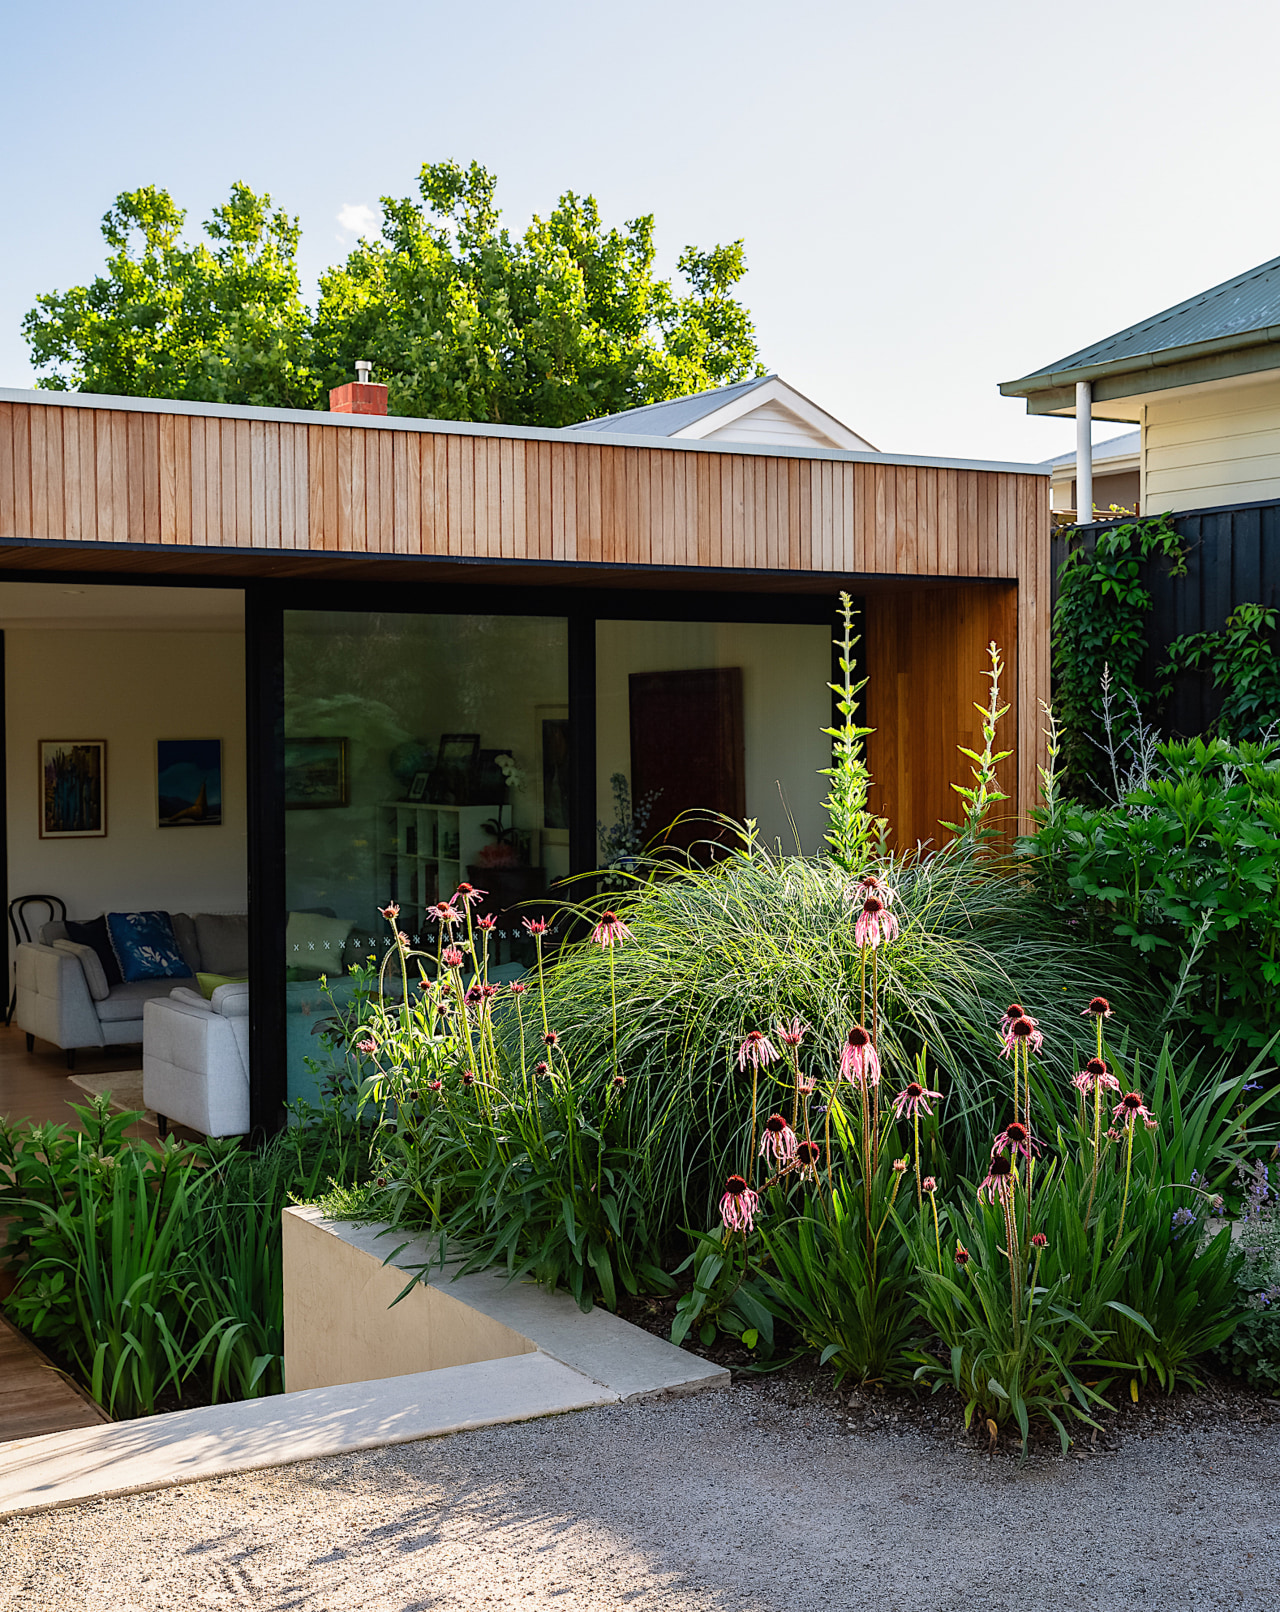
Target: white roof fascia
{"x": 776, "y": 390}
{"x": 513, "y": 433}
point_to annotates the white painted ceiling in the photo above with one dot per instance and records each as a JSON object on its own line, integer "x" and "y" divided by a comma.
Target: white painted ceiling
{"x": 109, "y": 607}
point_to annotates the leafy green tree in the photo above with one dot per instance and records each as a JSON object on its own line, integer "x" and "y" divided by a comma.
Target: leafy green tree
{"x": 217, "y": 323}
{"x": 462, "y": 320}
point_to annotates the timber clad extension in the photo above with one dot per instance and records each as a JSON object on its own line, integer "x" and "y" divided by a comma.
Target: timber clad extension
{"x": 271, "y": 493}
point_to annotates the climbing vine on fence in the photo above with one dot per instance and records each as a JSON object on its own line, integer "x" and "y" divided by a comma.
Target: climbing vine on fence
{"x": 1100, "y": 623}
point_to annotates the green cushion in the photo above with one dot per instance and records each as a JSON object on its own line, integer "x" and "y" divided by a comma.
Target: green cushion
{"x": 209, "y": 983}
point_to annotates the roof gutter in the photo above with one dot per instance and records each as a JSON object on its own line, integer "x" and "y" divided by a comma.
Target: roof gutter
{"x": 1048, "y": 380}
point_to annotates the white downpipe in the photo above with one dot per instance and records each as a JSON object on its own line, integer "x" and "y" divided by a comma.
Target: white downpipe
{"x": 1084, "y": 451}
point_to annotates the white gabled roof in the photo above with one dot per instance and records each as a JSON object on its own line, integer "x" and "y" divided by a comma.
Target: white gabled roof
{"x": 761, "y": 411}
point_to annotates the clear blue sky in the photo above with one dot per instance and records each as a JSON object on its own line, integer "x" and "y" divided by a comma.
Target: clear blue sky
{"x": 935, "y": 197}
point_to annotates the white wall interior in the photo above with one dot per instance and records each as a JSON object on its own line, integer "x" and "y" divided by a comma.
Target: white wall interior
{"x": 786, "y": 704}
{"x": 130, "y": 665}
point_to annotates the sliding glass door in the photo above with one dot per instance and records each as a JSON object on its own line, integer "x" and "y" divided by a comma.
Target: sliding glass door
{"x": 420, "y": 752}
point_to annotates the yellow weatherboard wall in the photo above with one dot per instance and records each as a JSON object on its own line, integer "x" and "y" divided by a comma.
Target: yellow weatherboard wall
{"x": 1218, "y": 444}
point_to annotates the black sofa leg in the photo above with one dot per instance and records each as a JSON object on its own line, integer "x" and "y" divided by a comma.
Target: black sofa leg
{"x": 71, "y": 1057}
{"x": 162, "y": 1125}
{"x": 31, "y": 1043}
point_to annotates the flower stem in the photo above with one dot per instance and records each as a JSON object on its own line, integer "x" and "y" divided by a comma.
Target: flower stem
{"x": 1124, "y": 1201}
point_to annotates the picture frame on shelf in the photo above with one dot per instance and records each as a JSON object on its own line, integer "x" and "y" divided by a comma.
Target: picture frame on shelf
{"x": 315, "y": 774}
{"x": 189, "y": 783}
{"x": 73, "y": 789}
{"x": 418, "y": 788}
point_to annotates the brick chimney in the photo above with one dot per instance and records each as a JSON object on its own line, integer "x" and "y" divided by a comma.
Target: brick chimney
{"x": 361, "y": 396}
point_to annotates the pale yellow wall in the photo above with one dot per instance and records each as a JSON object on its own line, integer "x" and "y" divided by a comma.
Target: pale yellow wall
{"x": 786, "y": 704}
{"x": 1215, "y": 446}
{"x": 129, "y": 688}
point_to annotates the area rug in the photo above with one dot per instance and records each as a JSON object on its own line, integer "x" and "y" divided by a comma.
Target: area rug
{"x": 123, "y": 1086}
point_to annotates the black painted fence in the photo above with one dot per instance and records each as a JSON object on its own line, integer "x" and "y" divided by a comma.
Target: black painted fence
{"x": 1233, "y": 558}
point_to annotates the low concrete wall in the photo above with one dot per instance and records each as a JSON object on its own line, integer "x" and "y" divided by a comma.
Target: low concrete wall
{"x": 338, "y": 1323}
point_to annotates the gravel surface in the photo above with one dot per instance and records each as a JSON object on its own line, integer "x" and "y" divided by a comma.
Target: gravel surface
{"x": 752, "y": 1498}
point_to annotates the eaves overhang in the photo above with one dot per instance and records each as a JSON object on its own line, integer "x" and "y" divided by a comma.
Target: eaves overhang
{"x": 1131, "y": 378}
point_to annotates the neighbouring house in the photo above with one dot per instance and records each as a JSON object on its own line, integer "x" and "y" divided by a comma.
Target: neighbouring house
{"x": 299, "y": 664}
{"x": 763, "y": 410}
{"x": 1116, "y": 478}
{"x": 1201, "y": 381}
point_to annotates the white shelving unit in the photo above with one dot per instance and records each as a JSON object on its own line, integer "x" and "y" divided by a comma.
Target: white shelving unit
{"x": 424, "y": 851}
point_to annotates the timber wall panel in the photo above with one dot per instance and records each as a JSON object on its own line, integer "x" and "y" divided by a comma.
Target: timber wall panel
{"x": 114, "y": 475}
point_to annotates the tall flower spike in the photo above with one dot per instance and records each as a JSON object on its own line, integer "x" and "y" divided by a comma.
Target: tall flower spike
{"x": 738, "y": 1205}
{"x": 777, "y": 1141}
{"x": 757, "y": 1050}
{"x": 875, "y": 925}
{"x": 610, "y": 931}
{"x": 913, "y": 1099}
{"x": 859, "y": 1061}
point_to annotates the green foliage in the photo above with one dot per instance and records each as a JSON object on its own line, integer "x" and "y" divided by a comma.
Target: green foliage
{"x": 1185, "y": 868}
{"x": 155, "y": 1271}
{"x": 1243, "y": 660}
{"x": 465, "y": 321}
{"x": 222, "y": 322}
{"x": 1252, "y": 1350}
{"x": 1100, "y": 624}
{"x": 462, "y": 319}
{"x": 853, "y": 832}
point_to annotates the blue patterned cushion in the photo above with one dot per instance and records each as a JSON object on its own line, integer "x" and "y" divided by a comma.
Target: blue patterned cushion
{"x": 146, "y": 946}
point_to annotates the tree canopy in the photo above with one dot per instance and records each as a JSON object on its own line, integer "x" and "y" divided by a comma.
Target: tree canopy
{"x": 461, "y": 319}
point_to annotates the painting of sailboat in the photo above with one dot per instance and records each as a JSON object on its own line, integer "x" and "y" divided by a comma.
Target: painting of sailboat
{"x": 189, "y": 783}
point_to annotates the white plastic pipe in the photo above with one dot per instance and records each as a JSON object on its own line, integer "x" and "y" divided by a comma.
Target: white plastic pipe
{"x": 1084, "y": 451}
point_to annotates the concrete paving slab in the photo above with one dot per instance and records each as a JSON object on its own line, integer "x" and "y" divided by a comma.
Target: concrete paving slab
{"x": 622, "y": 1357}
{"x": 157, "y": 1452}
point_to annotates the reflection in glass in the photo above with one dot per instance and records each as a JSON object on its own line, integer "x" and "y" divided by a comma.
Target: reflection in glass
{"x": 425, "y": 751}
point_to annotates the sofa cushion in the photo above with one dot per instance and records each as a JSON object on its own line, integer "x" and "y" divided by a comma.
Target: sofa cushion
{"x": 93, "y": 932}
{"x": 126, "y": 1001}
{"x": 184, "y": 932}
{"x": 232, "y": 1001}
{"x": 94, "y": 975}
{"x": 224, "y": 942}
{"x": 146, "y": 947}
{"x": 315, "y": 945}
{"x": 209, "y": 983}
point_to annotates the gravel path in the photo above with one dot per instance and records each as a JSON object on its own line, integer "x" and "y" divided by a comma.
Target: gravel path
{"x": 733, "y": 1502}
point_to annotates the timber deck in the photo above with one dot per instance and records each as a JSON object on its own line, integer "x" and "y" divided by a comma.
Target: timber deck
{"x": 35, "y": 1397}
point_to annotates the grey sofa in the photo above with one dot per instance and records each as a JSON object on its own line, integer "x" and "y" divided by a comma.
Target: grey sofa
{"x": 195, "y": 1060}
{"x": 62, "y": 990}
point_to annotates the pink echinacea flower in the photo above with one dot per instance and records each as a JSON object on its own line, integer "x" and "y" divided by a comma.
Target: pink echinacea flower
{"x": 738, "y": 1205}
{"x": 859, "y": 1061}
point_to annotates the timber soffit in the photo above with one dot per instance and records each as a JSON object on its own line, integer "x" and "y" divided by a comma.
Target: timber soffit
{"x": 463, "y": 428}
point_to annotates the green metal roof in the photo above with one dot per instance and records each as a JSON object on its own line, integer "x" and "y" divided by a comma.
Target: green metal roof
{"x": 1241, "y": 312}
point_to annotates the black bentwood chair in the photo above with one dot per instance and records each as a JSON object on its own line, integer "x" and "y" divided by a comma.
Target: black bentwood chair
{"x": 57, "y": 909}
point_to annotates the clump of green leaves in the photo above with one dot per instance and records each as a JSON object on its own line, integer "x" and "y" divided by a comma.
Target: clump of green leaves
{"x": 1100, "y": 623}
{"x": 1245, "y": 667}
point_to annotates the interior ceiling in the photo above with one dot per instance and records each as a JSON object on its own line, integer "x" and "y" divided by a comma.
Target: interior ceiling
{"x": 86, "y": 606}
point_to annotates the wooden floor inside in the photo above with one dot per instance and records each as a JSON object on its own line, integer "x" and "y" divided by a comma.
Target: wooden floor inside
{"x": 34, "y": 1086}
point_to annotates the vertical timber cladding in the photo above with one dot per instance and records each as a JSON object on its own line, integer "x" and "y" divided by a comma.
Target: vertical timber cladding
{"x": 926, "y": 655}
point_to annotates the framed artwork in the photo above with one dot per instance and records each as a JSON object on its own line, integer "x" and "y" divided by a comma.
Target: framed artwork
{"x": 418, "y": 788}
{"x": 189, "y": 783}
{"x": 553, "y": 771}
{"x": 73, "y": 789}
{"x": 315, "y": 774}
{"x": 458, "y": 751}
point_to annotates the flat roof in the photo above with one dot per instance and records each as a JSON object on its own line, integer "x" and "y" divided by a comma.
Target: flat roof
{"x": 466, "y": 428}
